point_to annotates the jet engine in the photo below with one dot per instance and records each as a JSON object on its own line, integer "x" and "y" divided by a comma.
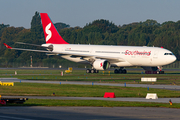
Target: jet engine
{"x": 50, "y": 48}
{"x": 101, "y": 64}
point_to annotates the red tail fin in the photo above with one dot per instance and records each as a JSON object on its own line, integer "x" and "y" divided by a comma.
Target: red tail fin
{"x": 50, "y": 33}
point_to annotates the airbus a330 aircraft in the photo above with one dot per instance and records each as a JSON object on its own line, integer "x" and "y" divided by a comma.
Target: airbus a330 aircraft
{"x": 102, "y": 57}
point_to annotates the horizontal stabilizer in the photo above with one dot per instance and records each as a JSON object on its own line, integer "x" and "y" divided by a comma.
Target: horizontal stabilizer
{"x": 31, "y": 44}
{"x": 43, "y": 51}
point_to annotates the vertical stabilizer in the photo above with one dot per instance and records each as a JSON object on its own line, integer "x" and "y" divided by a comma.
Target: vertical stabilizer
{"x": 50, "y": 32}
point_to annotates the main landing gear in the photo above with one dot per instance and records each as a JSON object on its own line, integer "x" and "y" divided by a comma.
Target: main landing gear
{"x": 120, "y": 71}
{"x": 92, "y": 71}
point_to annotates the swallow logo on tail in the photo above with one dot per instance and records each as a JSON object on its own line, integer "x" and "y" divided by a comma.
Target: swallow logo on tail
{"x": 48, "y": 32}
{"x": 51, "y": 34}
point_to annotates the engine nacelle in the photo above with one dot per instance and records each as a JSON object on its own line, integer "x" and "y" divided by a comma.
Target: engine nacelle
{"x": 101, "y": 64}
{"x": 50, "y": 48}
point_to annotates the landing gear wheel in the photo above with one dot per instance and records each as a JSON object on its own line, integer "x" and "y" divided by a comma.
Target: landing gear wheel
{"x": 120, "y": 71}
{"x": 93, "y": 71}
{"x": 124, "y": 71}
{"x": 116, "y": 71}
{"x": 88, "y": 71}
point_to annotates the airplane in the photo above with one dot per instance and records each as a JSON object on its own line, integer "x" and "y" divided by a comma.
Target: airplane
{"x": 102, "y": 57}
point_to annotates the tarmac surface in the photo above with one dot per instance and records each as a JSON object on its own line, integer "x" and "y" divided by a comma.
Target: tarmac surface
{"x": 159, "y": 100}
{"x": 88, "y": 113}
{"x": 169, "y": 87}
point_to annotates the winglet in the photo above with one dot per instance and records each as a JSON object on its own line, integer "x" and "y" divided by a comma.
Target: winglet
{"x": 7, "y": 46}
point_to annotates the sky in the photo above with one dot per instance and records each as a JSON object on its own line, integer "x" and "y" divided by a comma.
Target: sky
{"x": 19, "y": 13}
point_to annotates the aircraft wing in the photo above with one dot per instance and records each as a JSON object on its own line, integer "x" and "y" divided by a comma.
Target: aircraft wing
{"x": 83, "y": 56}
{"x": 43, "y": 51}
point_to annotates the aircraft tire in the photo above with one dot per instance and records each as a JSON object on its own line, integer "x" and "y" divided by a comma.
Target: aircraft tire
{"x": 124, "y": 71}
{"x": 88, "y": 71}
{"x": 93, "y": 71}
{"x": 116, "y": 71}
{"x": 120, "y": 71}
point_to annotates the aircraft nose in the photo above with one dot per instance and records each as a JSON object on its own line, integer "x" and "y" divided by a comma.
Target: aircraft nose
{"x": 173, "y": 58}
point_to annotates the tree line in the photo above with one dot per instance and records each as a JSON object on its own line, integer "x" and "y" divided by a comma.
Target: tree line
{"x": 99, "y": 32}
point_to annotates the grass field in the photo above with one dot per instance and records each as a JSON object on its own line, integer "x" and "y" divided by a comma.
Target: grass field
{"x": 33, "y": 89}
{"x": 133, "y": 77}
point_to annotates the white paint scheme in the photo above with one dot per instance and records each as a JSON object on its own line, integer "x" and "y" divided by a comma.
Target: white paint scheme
{"x": 114, "y": 54}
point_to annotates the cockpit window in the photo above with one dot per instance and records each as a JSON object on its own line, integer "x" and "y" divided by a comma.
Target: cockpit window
{"x": 168, "y": 54}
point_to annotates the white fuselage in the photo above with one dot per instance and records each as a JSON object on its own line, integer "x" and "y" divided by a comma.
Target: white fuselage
{"x": 127, "y": 55}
